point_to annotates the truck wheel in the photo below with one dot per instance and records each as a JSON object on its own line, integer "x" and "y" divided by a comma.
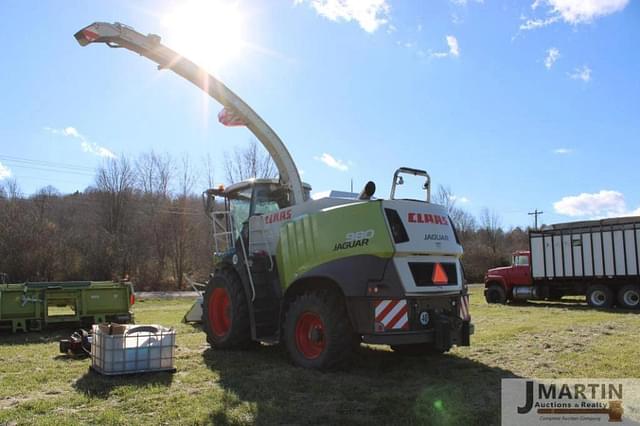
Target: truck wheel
{"x": 225, "y": 312}
{"x": 317, "y": 331}
{"x": 495, "y": 294}
{"x": 629, "y": 296}
{"x": 599, "y": 296}
{"x": 417, "y": 349}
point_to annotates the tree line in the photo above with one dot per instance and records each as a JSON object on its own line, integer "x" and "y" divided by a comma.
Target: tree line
{"x": 143, "y": 219}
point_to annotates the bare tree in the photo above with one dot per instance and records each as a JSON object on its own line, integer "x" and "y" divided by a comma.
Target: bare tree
{"x": 154, "y": 174}
{"x": 115, "y": 184}
{"x": 490, "y": 227}
{"x": 462, "y": 220}
{"x": 249, "y": 162}
{"x": 209, "y": 171}
{"x": 13, "y": 189}
{"x": 154, "y": 177}
{"x": 182, "y": 230}
{"x": 115, "y": 180}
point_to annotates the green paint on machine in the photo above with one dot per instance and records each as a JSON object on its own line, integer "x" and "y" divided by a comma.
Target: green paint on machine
{"x": 317, "y": 238}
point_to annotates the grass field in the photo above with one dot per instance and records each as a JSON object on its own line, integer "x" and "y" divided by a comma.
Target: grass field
{"x": 38, "y": 386}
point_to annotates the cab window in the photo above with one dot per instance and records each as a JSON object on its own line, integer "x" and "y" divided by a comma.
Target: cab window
{"x": 269, "y": 198}
{"x": 240, "y": 207}
{"x": 521, "y": 260}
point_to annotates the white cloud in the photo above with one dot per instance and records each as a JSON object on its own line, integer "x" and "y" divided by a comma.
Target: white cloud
{"x": 573, "y": 11}
{"x": 464, "y": 2}
{"x": 85, "y": 144}
{"x": 585, "y": 11}
{"x": 601, "y": 204}
{"x": 5, "y": 172}
{"x": 369, "y": 14}
{"x": 332, "y": 162}
{"x": 454, "y": 48}
{"x": 581, "y": 73}
{"x": 562, "y": 151}
{"x": 552, "y": 56}
{"x": 532, "y": 24}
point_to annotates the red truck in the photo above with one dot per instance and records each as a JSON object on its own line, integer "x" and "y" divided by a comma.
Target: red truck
{"x": 499, "y": 282}
{"x": 599, "y": 259}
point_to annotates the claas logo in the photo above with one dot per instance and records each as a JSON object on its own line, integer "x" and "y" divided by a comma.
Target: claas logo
{"x": 428, "y": 218}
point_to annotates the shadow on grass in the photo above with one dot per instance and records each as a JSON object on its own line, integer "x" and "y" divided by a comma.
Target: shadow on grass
{"x": 377, "y": 387}
{"x": 93, "y": 384}
{"x": 577, "y": 305}
{"x": 50, "y": 335}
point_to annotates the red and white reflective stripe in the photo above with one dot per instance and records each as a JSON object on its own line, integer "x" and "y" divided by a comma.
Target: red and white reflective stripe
{"x": 393, "y": 314}
{"x": 228, "y": 117}
{"x": 463, "y": 308}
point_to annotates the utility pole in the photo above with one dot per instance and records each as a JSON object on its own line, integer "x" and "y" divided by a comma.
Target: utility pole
{"x": 535, "y": 213}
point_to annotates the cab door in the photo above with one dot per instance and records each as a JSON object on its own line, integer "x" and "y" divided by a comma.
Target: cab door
{"x": 521, "y": 272}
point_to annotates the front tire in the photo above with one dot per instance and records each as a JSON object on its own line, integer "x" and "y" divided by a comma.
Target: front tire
{"x": 317, "y": 331}
{"x": 599, "y": 296}
{"x": 225, "y": 312}
{"x": 495, "y": 293}
{"x": 629, "y": 296}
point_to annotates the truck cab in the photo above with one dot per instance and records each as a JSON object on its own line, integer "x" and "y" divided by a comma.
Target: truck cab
{"x": 499, "y": 282}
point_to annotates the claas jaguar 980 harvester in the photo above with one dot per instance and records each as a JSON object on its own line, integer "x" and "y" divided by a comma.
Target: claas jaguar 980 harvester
{"x": 319, "y": 275}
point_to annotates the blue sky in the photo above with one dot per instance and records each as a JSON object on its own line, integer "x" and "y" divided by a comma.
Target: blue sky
{"x": 514, "y": 105}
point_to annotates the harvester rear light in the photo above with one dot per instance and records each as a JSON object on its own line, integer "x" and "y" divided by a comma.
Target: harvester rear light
{"x": 132, "y": 299}
{"x": 397, "y": 227}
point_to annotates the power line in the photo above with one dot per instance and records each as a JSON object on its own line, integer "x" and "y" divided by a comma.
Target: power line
{"x": 43, "y": 163}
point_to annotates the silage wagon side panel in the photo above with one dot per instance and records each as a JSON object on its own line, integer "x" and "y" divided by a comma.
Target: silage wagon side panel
{"x": 608, "y": 248}
{"x": 15, "y": 303}
{"x": 105, "y": 299}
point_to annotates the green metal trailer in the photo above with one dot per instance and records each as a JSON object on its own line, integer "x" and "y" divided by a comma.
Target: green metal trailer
{"x": 32, "y": 306}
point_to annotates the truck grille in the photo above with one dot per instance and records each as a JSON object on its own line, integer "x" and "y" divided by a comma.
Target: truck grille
{"x": 426, "y": 274}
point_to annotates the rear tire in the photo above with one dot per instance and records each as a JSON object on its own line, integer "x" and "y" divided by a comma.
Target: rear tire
{"x": 225, "y": 312}
{"x": 495, "y": 294}
{"x": 599, "y": 296}
{"x": 417, "y": 349}
{"x": 317, "y": 331}
{"x": 629, "y": 296}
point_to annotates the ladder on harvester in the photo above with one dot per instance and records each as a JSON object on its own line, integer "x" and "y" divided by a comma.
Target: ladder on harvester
{"x": 222, "y": 228}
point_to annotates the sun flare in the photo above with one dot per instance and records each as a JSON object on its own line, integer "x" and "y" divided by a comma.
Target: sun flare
{"x": 209, "y": 32}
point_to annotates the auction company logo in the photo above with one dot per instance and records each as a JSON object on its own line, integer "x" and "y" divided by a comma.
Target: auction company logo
{"x": 570, "y": 401}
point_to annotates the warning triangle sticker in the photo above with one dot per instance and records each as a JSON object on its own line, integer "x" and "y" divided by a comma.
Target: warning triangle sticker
{"x": 439, "y": 275}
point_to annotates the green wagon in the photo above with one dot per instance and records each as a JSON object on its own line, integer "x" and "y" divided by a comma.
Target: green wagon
{"x": 35, "y": 305}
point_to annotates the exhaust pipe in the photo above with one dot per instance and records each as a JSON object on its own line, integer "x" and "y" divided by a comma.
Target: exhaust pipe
{"x": 368, "y": 191}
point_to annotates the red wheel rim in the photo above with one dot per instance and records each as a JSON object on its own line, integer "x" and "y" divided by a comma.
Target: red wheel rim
{"x": 310, "y": 338}
{"x": 220, "y": 311}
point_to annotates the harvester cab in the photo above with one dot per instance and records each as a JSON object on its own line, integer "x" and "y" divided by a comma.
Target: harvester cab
{"x": 318, "y": 275}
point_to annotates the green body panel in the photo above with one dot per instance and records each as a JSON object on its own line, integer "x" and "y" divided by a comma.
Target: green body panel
{"x": 334, "y": 233}
{"x": 37, "y": 301}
